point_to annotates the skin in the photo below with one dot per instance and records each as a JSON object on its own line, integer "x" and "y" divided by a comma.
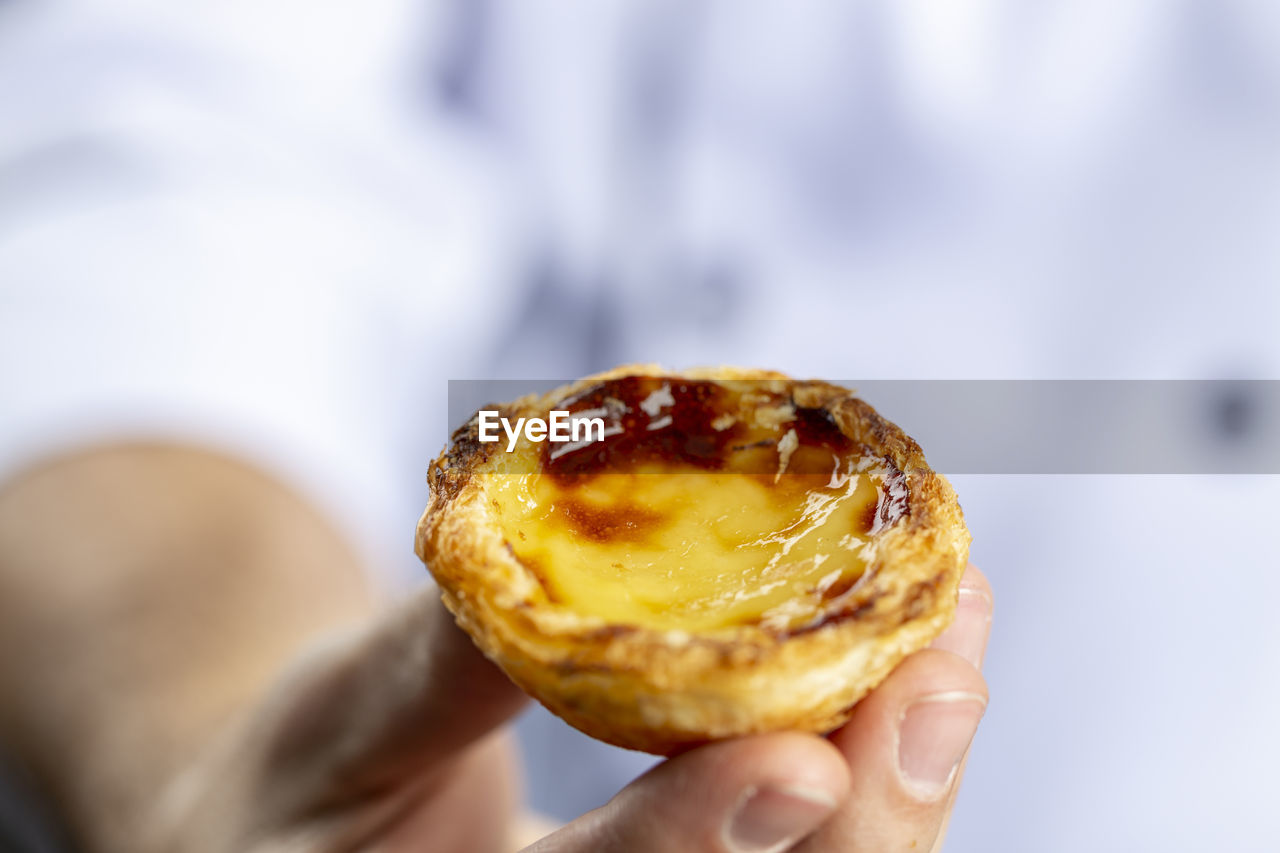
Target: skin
{"x": 190, "y": 662}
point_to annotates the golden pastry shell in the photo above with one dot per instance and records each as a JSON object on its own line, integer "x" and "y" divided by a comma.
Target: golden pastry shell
{"x": 661, "y": 691}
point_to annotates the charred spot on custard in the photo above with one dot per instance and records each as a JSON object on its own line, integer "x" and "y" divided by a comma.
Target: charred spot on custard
{"x": 649, "y": 420}
{"x": 617, "y": 522}
{"x": 655, "y": 422}
{"x": 818, "y": 428}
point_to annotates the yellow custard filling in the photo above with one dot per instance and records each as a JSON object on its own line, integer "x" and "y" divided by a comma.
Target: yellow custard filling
{"x": 674, "y": 547}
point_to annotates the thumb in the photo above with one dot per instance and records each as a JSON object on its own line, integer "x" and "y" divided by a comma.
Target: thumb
{"x": 749, "y": 795}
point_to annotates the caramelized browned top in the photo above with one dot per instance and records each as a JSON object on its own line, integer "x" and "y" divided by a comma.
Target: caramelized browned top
{"x": 719, "y": 426}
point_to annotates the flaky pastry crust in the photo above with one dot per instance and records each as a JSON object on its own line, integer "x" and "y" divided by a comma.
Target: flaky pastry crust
{"x": 662, "y": 691}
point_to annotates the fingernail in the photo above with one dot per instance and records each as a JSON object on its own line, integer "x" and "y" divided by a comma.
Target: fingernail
{"x": 771, "y": 819}
{"x": 933, "y": 735}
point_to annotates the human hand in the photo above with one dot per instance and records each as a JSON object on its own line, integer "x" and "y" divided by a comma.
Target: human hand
{"x": 391, "y": 740}
{"x": 885, "y": 781}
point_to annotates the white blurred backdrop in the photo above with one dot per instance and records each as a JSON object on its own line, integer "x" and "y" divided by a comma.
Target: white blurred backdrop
{"x": 281, "y": 226}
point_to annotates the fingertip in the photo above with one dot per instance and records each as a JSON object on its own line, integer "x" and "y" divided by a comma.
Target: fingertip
{"x": 905, "y": 746}
{"x": 975, "y": 594}
{"x": 975, "y": 582}
{"x": 757, "y": 793}
{"x": 967, "y": 634}
{"x": 794, "y": 783}
{"x": 923, "y": 673}
{"x": 809, "y": 762}
{"x": 788, "y": 761}
{"x": 868, "y": 739}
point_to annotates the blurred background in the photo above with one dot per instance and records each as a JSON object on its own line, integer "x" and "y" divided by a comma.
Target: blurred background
{"x": 280, "y": 227}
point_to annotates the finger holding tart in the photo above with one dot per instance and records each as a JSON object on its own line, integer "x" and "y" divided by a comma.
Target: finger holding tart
{"x": 734, "y": 552}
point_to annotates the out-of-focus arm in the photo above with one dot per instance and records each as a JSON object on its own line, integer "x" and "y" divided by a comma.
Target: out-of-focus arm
{"x": 147, "y": 594}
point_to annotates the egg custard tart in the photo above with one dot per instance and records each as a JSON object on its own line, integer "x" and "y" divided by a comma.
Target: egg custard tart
{"x": 727, "y": 552}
